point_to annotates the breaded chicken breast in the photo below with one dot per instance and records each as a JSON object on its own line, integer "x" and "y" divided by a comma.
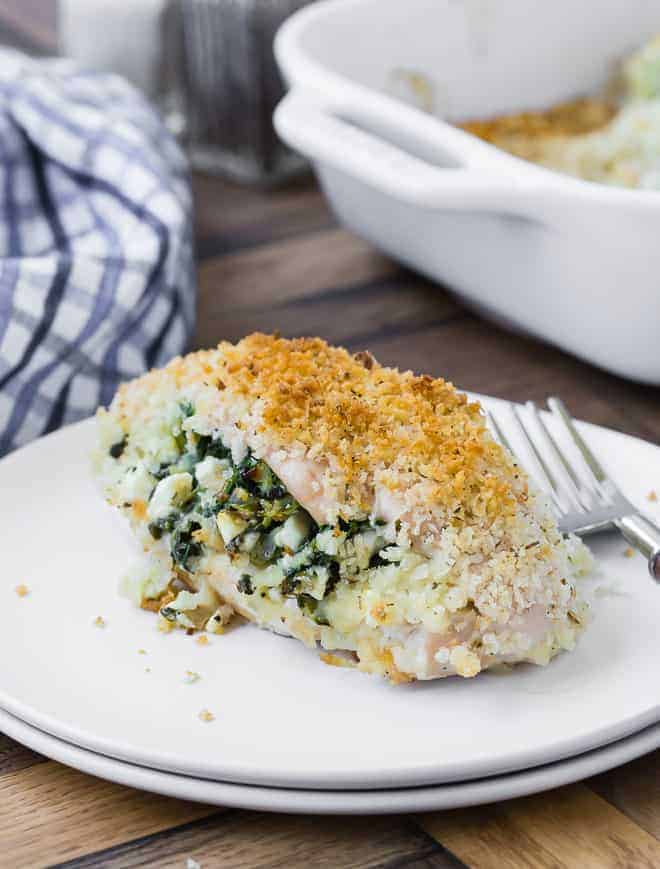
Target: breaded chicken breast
{"x": 363, "y": 510}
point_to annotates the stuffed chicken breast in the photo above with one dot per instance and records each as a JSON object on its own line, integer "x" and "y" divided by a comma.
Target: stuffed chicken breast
{"x": 362, "y": 510}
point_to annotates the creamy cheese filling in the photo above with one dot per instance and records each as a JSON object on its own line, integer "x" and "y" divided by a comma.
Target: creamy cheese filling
{"x": 201, "y": 501}
{"x": 224, "y": 534}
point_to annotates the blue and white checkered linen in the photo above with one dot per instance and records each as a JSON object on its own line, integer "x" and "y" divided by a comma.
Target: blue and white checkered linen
{"x": 96, "y": 269}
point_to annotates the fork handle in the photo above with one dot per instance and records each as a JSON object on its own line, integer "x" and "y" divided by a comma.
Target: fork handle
{"x": 645, "y": 537}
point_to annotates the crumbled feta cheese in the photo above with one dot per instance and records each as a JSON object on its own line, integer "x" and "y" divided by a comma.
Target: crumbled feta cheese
{"x": 314, "y": 581}
{"x": 212, "y": 473}
{"x": 192, "y": 609}
{"x": 327, "y": 541}
{"x": 145, "y": 581}
{"x": 137, "y": 484}
{"x": 293, "y": 532}
{"x": 229, "y": 525}
{"x": 169, "y": 494}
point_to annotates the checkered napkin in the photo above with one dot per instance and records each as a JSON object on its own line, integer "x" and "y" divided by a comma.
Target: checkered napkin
{"x": 96, "y": 268}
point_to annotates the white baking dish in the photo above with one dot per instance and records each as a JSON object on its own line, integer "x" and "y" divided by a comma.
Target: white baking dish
{"x": 573, "y": 262}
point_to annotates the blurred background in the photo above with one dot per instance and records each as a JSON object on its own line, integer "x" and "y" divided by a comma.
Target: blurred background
{"x": 269, "y": 254}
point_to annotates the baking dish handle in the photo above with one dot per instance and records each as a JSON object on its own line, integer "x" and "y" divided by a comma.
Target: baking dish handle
{"x": 325, "y": 138}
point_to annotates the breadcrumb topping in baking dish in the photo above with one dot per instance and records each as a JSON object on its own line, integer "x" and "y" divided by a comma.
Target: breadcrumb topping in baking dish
{"x": 612, "y": 138}
{"x": 356, "y": 507}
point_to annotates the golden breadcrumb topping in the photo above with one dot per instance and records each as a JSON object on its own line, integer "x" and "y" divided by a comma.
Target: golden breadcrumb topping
{"x": 367, "y": 416}
{"x": 573, "y": 118}
{"x": 364, "y": 419}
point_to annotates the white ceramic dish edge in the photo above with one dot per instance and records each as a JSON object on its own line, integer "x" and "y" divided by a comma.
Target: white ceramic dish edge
{"x": 543, "y": 265}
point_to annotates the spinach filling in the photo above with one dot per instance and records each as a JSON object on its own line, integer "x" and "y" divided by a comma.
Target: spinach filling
{"x": 257, "y": 519}
{"x": 117, "y": 450}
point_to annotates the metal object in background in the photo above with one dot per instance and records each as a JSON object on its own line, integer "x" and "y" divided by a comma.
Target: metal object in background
{"x": 232, "y": 85}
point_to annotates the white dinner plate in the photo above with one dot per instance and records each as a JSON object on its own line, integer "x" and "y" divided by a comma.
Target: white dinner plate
{"x": 375, "y": 802}
{"x": 282, "y": 718}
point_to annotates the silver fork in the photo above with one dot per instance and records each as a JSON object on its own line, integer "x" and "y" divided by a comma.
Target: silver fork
{"x": 585, "y": 497}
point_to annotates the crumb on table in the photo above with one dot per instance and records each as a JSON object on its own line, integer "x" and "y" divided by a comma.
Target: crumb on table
{"x": 205, "y": 715}
{"x": 202, "y": 640}
{"x": 629, "y": 552}
{"x": 652, "y": 495}
{"x": 190, "y": 677}
{"x": 22, "y": 590}
{"x": 99, "y": 622}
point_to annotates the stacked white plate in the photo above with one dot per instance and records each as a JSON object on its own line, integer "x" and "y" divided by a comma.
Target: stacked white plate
{"x": 111, "y": 696}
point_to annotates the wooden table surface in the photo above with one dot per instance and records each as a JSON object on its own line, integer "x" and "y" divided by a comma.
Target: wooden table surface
{"x": 279, "y": 261}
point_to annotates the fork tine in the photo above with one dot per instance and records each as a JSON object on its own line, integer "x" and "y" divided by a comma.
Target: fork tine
{"x": 558, "y": 408}
{"x": 499, "y": 434}
{"x": 573, "y": 486}
{"x": 546, "y": 473}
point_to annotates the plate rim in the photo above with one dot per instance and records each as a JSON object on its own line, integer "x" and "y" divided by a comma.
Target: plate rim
{"x": 412, "y": 775}
{"x": 303, "y": 801}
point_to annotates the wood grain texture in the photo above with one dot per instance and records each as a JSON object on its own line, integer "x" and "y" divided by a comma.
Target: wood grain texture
{"x": 635, "y": 790}
{"x": 50, "y": 813}
{"x": 14, "y": 756}
{"x": 277, "y": 260}
{"x": 288, "y": 270}
{"x": 241, "y": 840}
{"x": 569, "y": 827}
{"x": 375, "y": 308}
{"x": 230, "y": 218}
